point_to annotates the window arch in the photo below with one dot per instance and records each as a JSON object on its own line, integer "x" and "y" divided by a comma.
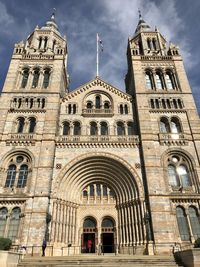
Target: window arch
{"x": 194, "y": 221}
{"x": 21, "y": 124}
{"x": 104, "y": 128}
{"x": 120, "y": 128}
{"x": 89, "y": 223}
{"x": 77, "y": 128}
{"x": 182, "y": 224}
{"x": 149, "y": 80}
{"x": 11, "y": 174}
{"x": 97, "y": 102}
{"x": 169, "y": 80}
{"x": 107, "y": 223}
{"x": 46, "y": 78}
{"x": 164, "y": 125}
{"x": 32, "y": 124}
{"x": 93, "y": 128}
{"x": 159, "y": 80}
{"x": 66, "y": 128}
{"x": 178, "y": 172}
{"x": 130, "y": 128}
{"x": 36, "y": 75}
{"x": 23, "y": 176}
{"x": 3, "y": 220}
{"x": 175, "y": 125}
{"x": 25, "y": 76}
{"x": 14, "y": 223}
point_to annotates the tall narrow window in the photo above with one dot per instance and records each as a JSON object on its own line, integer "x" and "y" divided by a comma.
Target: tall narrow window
{"x": 23, "y": 176}
{"x": 169, "y": 81}
{"x": 46, "y": 78}
{"x": 25, "y": 78}
{"x": 21, "y": 123}
{"x": 98, "y": 189}
{"x": 98, "y": 102}
{"x": 66, "y": 128}
{"x": 36, "y": 76}
{"x": 184, "y": 175}
{"x": 149, "y": 81}
{"x": 172, "y": 175}
{"x": 53, "y": 46}
{"x": 32, "y": 124}
{"x": 154, "y": 42}
{"x": 74, "y": 108}
{"x": 69, "y": 109}
{"x": 182, "y": 224}
{"x": 45, "y": 42}
{"x": 40, "y": 42}
{"x": 92, "y": 190}
{"x": 11, "y": 174}
{"x": 126, "y": 109}
{"x": 121, "y": 109}
{"x": 149, "y": 43}
{"x": 175, "y": 125}
{"x": 105, "y": 190}
{"x": 164, "y": 125}
{"x": 194, "y": 221}
{"x": 14, "y": 224}
{"x": 130, "y": 128}
{"x": 120, "y": 128}
{"x": 104, "y": 128}
{"x": 77, "y": 128}
{"x": 93, "y": 128}
{"x": 3, "y": 220}
{"x": 159, "y": 82}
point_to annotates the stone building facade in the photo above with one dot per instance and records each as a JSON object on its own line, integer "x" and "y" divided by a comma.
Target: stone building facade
{"x": 99, "y": 164}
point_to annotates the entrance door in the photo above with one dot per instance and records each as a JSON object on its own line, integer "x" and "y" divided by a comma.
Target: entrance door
{"x": 107, "y": 236}
{"x": 108, "y": 242}
{"x": 89, "y": 235}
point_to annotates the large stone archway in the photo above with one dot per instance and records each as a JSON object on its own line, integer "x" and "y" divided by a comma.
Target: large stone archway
{"x": 116, "y": 174}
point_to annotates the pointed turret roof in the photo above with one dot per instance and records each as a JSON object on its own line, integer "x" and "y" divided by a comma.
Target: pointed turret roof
{"x": 142, "y": 25}
{"x": 51, "y": 23}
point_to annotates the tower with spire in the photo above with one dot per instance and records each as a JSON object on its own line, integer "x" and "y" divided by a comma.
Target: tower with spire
{"x": 168, "y": 125}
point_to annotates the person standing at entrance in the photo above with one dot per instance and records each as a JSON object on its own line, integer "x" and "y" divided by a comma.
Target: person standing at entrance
{"x": 89, "y": 245}
{"x": 44, "y": 245}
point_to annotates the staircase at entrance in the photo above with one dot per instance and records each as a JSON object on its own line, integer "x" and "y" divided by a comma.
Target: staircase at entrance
{"x": 99, "y": 261}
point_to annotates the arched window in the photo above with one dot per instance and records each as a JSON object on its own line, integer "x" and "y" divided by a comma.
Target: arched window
{"x": 182, "y": 224}
{"x": 77, "y": 128}
{"x": 126, "y": 109}
{"x": 46, "y": 78}
{"x": 36, "y": 75}
{"x": 130, "y": 128}
{"x": 23, "y": 176}
{"x": 69, "y": 109}
{"x": 21, "y": 123}
{"x": 40, "y": 43}
{"x": 11, "y": 174}
{"x": 14, "y": 224}
{"x": 106, "y": 105}
{"x": 194, "y": 221}
{"x": 169, "y": 80}
{"x": 45, "y": 42}
{"x": 89, "y": 105}
{"x": 3, "y": 220}
{"x": 172, "y": 175}
{"x": 74, "y": 108}
{"x": 154, "y": 42}
{"x": 93, "y": 128}
{"x": 98, "y": 190}
{"x": 104, "y": 128}
{"x": 164, "y": 125}
{"x": 53, "y": 46}
{"x": 149, "y": 43}
{"x": 149, "y": 80}
{"x": 97, "y": 102}
{"x": 89, "y": 223}
{"x": 66, "y": 128}
{"x": 92, "y": 190}
{"x": 175, "y": 125}
{"x": 178, "y": 173}
{"x": 32, "y": 124}
{"x": 105, "y": 190}
{"x": 121, "y": 109}
{"x": 159, "y": 82}
{"x": 107, "y": 223}
{"x": 25, "y": 78}
{"x": 120, "y": 128}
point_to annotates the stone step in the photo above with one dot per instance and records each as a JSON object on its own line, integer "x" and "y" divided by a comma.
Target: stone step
{"x": 99, "y": 261}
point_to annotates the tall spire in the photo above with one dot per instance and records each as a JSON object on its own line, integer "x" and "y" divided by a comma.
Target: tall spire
{"x": 52, "y": 21}
{"x": 142, "y": 25}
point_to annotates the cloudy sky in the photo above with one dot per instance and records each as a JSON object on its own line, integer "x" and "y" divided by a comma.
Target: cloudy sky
{"x": 115, "y": 21}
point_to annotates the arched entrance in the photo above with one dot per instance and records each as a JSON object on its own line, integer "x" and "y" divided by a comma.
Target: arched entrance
{"x": 84, "y": 186}
{"x": 108, "y": 239}
{"x": 89, "y": 235}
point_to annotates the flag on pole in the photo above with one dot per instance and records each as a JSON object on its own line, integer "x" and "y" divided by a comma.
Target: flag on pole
{"x": 100, "y": 42}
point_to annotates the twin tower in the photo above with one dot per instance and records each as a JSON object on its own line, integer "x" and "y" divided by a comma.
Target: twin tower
{"x": 96, "y": 164}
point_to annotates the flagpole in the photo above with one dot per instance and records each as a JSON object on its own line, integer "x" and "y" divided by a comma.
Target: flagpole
{"x": 97, "y": 56}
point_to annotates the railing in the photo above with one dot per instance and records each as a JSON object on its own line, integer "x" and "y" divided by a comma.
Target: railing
{"x": 98, "y": 138}
{"x": 96, "y": 112}
{"x": 20, "y": 136}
